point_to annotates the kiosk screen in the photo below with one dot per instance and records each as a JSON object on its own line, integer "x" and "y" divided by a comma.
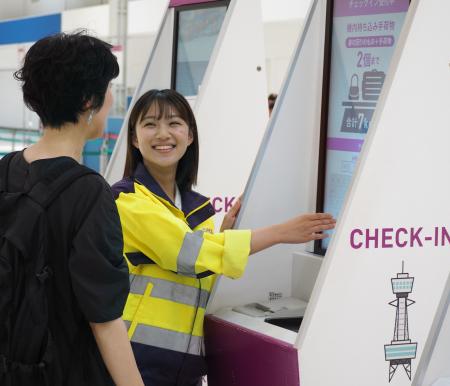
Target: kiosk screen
{"x": 196, "y": 31}
{"x": 361, "y": 38}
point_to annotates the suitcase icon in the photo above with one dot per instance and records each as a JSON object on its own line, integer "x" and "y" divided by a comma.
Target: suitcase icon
{"x": 372, "y": 84}
{"x": 353, "y": 92}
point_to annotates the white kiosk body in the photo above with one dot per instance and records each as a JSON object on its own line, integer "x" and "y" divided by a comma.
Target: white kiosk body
{"x": 434, "y": 366}
{"x": 231, "y": 105}
{"x": 285, "y": 171}
{"x": 385, "y": 270}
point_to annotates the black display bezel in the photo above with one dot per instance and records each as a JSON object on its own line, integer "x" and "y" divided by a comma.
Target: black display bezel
{"x": 320, "y": 201}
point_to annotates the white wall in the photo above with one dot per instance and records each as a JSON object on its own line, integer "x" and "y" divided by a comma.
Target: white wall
{"x": 144, "y": 16}
{"x": 69, "y": 4}
{"x": 13, "y": 114}
{"x": 40, "y": 7}
{"x": 138, "y": 52}
{"x": 94, "y": 19}
{"x": 278, "y": 10}
{"x": 280, "y": 38}
{"x": 144, "y": 19}
{"x": 11, "y": 9}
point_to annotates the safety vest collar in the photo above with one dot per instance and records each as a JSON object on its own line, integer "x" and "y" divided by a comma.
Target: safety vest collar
{"x": 196, "y": 208}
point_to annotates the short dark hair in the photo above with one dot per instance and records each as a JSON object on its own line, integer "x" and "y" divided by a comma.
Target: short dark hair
{"x": 271, "y": 99}
{"x": 166, "y": 100}
{"x": 62, "y": 72}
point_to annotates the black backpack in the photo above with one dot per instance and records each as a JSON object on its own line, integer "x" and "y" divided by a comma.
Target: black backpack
{"x": 25, "y": 340}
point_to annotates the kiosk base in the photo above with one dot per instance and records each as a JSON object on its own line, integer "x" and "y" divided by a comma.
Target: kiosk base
{"x": 238, "y": 356}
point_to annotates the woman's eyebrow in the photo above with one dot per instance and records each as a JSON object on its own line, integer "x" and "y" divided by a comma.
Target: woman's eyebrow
{"x": 149, "y": 117}
{"x": 157, "y": 118}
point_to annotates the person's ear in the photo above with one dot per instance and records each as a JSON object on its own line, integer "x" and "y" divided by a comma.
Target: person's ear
{"x": 88, "y": 105}
{"x": 190, "y": 137}
{"x": 134, "y": 141}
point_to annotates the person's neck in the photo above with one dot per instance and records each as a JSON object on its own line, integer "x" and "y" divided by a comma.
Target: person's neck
{"x": 165, "y": 177}
{"x": 68, "y": 141}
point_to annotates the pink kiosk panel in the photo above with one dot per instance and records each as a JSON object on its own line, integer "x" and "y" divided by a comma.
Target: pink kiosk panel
{"x": 240, "y": 357}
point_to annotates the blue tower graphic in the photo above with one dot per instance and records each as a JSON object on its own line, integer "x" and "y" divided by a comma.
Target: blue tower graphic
{"x": 401, "y": 350}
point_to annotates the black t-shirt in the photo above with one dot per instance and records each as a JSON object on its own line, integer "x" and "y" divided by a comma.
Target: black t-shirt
{"x": 90, "y": 281}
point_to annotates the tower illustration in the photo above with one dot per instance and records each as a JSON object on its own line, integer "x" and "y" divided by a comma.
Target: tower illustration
{"x": 401, "y": 350}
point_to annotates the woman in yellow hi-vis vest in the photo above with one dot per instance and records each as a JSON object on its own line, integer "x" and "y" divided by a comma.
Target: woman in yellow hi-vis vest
{"x": 170, "y": 244}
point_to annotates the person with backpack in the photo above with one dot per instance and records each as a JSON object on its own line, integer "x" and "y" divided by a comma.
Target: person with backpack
{"x": 174, "y": 255}
{"x": 63, "y": 278}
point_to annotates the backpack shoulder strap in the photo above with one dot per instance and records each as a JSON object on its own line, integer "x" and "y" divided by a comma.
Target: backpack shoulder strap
{"x": 58, "y": 178}
{"x": 4, "y": 170}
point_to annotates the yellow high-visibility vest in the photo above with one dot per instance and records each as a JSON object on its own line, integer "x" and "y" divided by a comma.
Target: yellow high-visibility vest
{"x": 173, "y": 257}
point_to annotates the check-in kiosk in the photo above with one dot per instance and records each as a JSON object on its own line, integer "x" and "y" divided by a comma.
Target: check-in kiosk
{"x": 434, "y": 367}
{"x": 213, "y": 53}
{"x": 365, "y": 309}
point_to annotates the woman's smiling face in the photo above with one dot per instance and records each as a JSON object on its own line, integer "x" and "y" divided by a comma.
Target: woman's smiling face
{"x": 162, "y": 139}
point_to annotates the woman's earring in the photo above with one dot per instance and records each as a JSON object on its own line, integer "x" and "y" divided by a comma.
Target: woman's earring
{"x": 91, "y": 114}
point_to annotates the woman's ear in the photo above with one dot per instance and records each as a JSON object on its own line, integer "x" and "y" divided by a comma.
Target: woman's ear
{"x": 190, "y": 137}
{"x": 134, "y": 141}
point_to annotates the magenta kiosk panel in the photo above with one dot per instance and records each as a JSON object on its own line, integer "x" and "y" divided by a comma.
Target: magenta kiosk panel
{"x": 241, "y": 357}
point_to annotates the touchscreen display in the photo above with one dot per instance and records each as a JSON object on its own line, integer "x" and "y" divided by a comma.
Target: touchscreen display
{"x": 363, "y": 38}
{"x": 198, "y": 30}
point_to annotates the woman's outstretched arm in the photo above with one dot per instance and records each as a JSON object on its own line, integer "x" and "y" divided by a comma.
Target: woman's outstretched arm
{"x": 300, "y": 229}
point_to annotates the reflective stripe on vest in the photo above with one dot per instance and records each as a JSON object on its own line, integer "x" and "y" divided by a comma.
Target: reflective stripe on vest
{"x": 167, "y": 339}
{"x": 169, "y": 290}
{"x": 189, "y": 252}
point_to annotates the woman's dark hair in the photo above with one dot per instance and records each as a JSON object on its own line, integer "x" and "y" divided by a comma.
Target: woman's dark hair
{"x": 166, "y": 101}
{"x": 62, "y": 72}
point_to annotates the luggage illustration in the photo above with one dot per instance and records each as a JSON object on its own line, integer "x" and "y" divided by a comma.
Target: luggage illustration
{"x": 372, "y": 84}
{"x": 353, "y": 92}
